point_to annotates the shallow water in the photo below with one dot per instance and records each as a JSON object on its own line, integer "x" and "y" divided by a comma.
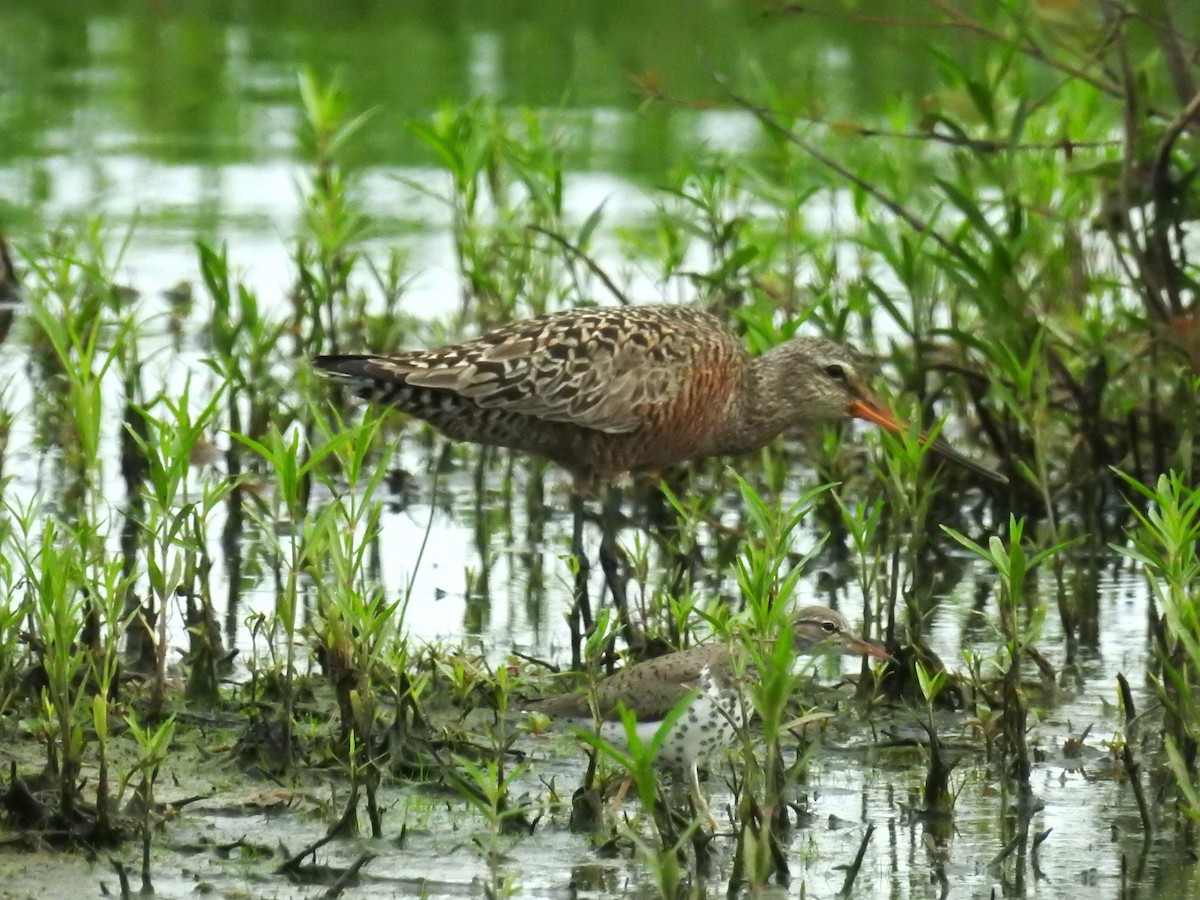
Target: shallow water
{"x": 179, "y": 124}
{"x": 853, "y": 782}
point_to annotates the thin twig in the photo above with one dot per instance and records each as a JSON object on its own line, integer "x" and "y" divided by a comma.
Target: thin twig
{"x": 1132, "y": 770}
{"x": 958, "y": 18}
{"x": 1006, "y": 851}
{"x": 593, "y": 266}
{"x": 122, "y": 877}
{"x": 1174, "y": 55}
{"x": 337, "y": 829}
{"x": 343, "y": 880}
{"x": 914, "y": 221}
{"x": 980, "y": 145}
{"x": 1164, "y": 197}
{"x": 533, "y": 660}
{"x": 852, "y": 869}
{"x": 1131, "y": 172}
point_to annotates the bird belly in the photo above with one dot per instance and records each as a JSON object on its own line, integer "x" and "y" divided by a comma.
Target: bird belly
{"x": 707, "y": 726}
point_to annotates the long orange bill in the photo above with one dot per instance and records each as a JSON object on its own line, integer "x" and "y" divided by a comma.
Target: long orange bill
{"x": 873, "y": 412}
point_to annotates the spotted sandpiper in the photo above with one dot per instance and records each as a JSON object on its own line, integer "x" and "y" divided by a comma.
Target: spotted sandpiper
{"x": 707, "y": 679}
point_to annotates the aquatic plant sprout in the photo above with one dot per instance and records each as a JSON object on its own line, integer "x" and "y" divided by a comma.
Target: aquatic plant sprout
{"x": 228, "y": 592}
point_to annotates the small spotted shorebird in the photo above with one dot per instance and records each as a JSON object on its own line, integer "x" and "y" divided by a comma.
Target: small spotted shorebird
{"x": 608, "y": 391}
{"x": 706, "y": 674}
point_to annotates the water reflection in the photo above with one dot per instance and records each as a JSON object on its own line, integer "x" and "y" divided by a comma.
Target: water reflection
{"x": 183, "y": 122}
{"x": 180, "y": 117}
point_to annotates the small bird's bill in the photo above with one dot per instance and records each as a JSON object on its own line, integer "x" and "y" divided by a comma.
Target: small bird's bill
{"x": 872, "y": 412}
{"x": 863, "y": 647}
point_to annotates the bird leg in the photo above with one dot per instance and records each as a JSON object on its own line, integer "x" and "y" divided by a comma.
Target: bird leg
{"x": 609, "y": 516}
{"x": 702, "y": 808}
{"x": 581, "y": 609}
{"x": 580, "y": 618}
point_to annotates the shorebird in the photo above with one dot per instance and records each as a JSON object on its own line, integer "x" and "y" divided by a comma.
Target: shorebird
{"x": 604, "y": 392}
{"x": 706, "y": 678}
{"x": 608, "y": 391}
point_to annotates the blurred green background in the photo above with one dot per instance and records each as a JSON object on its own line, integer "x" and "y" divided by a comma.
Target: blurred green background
{"x": 212, "y": 84}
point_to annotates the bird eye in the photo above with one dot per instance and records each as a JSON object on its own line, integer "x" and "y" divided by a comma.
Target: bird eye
{"x": 836, "y": 371}
{"x": 828, "y": 627}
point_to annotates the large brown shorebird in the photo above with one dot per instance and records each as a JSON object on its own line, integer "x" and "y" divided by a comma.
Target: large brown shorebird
{"x": 707, "y": 679}
{"x": 608, "y": 391}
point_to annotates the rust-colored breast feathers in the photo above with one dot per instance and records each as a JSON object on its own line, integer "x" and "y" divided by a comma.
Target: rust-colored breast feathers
{"x": 699, "y": 409}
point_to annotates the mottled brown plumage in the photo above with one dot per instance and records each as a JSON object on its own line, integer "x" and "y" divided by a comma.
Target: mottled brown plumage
{"x": 608, "y": 391}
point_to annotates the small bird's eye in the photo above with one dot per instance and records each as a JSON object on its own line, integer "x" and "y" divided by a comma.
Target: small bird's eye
{"x": 836, "y": 371}
{"x": 829, "y": 627}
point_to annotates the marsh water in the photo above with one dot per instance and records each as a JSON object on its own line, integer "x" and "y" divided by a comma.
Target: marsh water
{"x": 176, "y": 122}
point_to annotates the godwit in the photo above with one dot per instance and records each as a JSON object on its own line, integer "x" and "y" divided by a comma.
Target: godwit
{"x": 706, "y": 677}
{"x": 608, "y": 391}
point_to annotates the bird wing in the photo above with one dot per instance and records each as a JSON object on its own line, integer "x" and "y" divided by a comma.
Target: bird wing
{"x": 602, "y": 369}
{"x": 659, "y": 685}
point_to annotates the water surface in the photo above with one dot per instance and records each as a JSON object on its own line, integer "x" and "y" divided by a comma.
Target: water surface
{"x": 177, "y": 122}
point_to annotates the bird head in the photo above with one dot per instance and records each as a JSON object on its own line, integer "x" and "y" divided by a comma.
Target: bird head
{"x": 816, "y": 627}
{"x": 826, "y": 383}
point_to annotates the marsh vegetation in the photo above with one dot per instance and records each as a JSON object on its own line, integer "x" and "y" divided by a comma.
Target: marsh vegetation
{"x": 254, "y": 634}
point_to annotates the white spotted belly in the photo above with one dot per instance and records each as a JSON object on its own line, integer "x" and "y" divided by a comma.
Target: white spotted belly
{"x": 705, "y": 727}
